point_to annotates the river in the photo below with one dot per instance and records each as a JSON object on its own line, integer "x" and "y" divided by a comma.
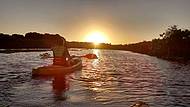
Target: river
{"x": 115, "y": 79}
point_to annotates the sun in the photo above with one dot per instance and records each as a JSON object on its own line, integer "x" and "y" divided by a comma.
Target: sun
{"x": 96, "y": 37}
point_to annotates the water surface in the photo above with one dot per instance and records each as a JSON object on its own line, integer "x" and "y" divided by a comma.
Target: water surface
{"x": 116, "y": 78}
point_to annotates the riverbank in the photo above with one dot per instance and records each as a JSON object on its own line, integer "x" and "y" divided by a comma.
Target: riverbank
{"x": 169, "y": 58}
{"x": 22, "y": 50}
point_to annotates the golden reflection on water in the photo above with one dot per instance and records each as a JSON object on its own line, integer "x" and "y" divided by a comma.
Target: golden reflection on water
{"x": 93, "y": 76}
{"x": 96, "y": 61}
{"x": 96, "y": 51}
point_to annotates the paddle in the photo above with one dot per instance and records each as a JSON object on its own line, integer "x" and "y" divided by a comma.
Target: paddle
{"x": 89, "y": 56}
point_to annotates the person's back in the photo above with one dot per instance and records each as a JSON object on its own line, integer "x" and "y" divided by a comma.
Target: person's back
{"x": 60, "y": 53}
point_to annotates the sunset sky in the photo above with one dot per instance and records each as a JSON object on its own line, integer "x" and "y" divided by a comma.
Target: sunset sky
{"x": 120, "y": 21}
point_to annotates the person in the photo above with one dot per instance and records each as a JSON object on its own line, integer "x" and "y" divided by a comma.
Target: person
{"x": 61, "y": 54}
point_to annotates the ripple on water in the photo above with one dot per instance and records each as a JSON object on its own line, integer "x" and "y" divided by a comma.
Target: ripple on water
{"x": 116, "y": 78}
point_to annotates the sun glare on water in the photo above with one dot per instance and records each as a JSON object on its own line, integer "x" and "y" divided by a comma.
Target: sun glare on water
{"x": 96, "y": 37}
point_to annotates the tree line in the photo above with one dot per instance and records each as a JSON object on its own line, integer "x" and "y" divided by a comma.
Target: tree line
{"x": 39, "y": 41}
{"x": 173, "y": 43}
{"x": 29, "y": 40}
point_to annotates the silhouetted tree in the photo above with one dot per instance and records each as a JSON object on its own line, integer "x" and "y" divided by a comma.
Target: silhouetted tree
{"x": 174, "y": 43}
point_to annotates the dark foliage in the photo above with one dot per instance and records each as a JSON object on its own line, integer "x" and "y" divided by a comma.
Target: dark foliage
{"x": 30, "y": 40}
{"x": 174, "y": 43}
{"x": 37, "y": 40}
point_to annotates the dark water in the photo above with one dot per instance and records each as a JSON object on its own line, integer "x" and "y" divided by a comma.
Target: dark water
{"x": 117, "y": 79}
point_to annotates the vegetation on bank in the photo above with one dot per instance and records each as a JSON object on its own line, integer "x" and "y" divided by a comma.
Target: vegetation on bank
{"x": 34, "y": 40}
{"x": 174, "y": 43}
{"x": 29, "y": 40}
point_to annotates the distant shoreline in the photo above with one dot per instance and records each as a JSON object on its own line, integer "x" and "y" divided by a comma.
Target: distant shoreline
{"x": 22, "y": 50}
{"x": 8, "y": 51}
{"x": 173, "y": 44}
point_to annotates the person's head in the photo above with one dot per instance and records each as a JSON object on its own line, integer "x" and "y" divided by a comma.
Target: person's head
{"x": 62, "y": 42}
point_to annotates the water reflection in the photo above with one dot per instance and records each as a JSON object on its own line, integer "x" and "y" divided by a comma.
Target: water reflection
{"x": 60, "y": 84}
{"x": 97, "y": 52}
{"x": 96, "y": 61}
{"x": 116, "y": 78}
{"x": 95, "y": 79}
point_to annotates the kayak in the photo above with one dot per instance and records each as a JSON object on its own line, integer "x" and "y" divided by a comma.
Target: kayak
{"x": 58, "y": 69}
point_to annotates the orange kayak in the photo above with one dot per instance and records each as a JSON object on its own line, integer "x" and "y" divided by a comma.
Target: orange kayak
{"x": 58, "y": 69}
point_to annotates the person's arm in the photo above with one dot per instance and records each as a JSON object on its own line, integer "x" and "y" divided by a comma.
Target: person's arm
{"x": 52, "y": 49}
{"x": 67, "y": 53}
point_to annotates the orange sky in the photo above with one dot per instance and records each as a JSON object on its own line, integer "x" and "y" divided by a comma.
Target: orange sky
{"x": 121, "y": 21}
